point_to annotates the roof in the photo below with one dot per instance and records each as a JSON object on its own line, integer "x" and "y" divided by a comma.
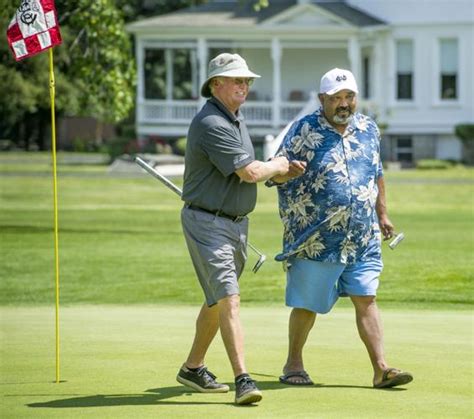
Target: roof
{"x": 242, "y": 13}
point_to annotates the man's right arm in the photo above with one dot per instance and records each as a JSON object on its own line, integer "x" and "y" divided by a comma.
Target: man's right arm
{"x": 259, "y": 171}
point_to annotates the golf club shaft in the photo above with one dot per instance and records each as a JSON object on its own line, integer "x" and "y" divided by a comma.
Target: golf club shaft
{"x": 165, "y": 181}
{"x": 143, "y": 164}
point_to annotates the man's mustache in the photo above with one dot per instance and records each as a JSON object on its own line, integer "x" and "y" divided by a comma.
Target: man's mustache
{"x": 343, "y": 109}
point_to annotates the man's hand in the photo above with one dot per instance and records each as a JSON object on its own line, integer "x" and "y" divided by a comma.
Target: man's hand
{"x": 296, "y": 168}
{"x": 282, "y": 165}
{"x": 386, "y": 227}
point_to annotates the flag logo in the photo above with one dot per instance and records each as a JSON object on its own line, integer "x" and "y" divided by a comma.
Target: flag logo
{"x": 33, "y": 29}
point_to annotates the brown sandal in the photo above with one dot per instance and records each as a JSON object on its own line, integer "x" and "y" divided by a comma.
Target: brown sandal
{"x": 398, "y": 379}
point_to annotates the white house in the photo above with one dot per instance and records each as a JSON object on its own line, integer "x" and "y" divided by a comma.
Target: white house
{"x": 413, "y": 59}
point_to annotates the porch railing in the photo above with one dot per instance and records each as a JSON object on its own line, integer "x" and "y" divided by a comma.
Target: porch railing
{"x": 179, "y": 112}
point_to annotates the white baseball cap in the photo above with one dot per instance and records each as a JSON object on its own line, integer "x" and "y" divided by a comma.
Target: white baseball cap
{"x": 336, "y": 80}
{"x": 226, "y": 65}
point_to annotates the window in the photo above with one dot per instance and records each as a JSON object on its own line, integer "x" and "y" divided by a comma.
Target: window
{"x": 404, "y": 149}
{"x": 448, "y": 69}
{"x": 366, "y": 78}
{"x": 155, "y": 74}
{"x": 179, "y": 83}
{"x": 404, "y": 69}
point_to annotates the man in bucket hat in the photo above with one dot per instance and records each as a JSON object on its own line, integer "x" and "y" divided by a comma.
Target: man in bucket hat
{"x": 334, "y": 217}
{"x": 219, "y": 191}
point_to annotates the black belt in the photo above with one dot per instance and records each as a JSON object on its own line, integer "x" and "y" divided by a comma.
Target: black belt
{"x": 234, "y": 218}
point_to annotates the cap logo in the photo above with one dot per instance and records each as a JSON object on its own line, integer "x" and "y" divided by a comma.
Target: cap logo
{"x": 341, "y": 78}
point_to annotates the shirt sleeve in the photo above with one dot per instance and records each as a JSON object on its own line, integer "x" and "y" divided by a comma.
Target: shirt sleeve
{"x": 225, "y": 150}
{"x": 286, "y": 149}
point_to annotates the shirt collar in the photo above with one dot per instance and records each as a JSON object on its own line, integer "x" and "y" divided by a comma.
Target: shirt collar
{"x": 219, "y": 105}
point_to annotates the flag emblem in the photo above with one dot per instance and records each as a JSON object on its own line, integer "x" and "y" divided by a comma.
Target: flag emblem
{"x": 33, "y": 29}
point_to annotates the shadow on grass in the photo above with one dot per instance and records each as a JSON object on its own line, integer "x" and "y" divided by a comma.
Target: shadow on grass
{"x": 151, "y": 397}
{"x": 158, "y": 396}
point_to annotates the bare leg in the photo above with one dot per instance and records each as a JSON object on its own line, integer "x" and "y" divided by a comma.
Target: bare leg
{"x": 371, "y": 332}
{"x": 207, "y": 325}
{"x": 300, "y": 324}
{"x": 231, "y": 331}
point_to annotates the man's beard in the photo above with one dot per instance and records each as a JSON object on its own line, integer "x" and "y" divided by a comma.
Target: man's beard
{"x": 339, "y": 120}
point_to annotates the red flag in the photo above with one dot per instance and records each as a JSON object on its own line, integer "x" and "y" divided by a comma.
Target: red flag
{"x": 33, "y": 29}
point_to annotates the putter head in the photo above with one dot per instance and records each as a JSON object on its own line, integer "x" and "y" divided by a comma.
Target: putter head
{"x": 395, "y": 242}
{"x": 259, "y": 263}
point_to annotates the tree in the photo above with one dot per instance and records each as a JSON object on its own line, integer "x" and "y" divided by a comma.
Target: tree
{"x": 94, "y": 68}
{"x": 465, "y": 132}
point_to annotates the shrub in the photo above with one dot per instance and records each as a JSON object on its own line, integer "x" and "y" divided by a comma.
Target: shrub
{"x": 180, "y": 146}
{"x": 429, "y": 164}
{"x": 465, "y": 132}
{"x": 121, "y": 145}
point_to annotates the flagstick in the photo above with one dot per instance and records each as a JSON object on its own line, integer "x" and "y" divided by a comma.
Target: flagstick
{"x": 55, "y": 188}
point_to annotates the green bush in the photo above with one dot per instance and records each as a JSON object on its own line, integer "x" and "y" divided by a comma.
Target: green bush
{"x": 465, "y": 132}
{"x": 180, "y": 146}
{"x": 429, "y": 164}
{"x": 121, "y": 145}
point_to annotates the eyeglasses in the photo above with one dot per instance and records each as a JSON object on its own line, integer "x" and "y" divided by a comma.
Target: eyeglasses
{"x": 240, "y": 82}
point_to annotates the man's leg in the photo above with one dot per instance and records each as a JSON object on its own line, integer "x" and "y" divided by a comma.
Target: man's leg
{"x": 193, "y": 373}
{"x": 207, "y": 325}
{"x": 231, "y": 331}
{"x": 371, "y": 332}
{"x": 300, "y": 323}
{"x": 246, "y": 392}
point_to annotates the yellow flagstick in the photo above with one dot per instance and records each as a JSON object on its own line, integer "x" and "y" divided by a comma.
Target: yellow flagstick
{"x": 55, "y": 189}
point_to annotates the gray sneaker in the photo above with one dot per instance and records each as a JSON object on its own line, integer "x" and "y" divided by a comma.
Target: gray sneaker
{"x": 246, "y": 392}
{"x": 201, "y": 380}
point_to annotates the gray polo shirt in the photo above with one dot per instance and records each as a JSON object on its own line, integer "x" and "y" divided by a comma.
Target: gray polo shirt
{"x": 218, "y": 144}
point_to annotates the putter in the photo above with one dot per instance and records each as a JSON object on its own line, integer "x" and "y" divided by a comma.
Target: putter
{"x": 170, "y": 185}
{"x": 396, "y": 241}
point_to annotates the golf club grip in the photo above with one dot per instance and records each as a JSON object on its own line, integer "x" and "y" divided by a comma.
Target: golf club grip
{"x": 143, "y": 164}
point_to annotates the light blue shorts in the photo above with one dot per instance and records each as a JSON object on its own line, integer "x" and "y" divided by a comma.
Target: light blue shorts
{"x": 316, "y": 286}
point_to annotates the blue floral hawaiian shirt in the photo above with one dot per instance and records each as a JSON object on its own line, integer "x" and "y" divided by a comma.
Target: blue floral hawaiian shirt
{"x": 328, "y": 213}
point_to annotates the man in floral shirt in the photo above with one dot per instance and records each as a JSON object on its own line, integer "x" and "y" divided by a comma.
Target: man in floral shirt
{"x": 333, "y": 217}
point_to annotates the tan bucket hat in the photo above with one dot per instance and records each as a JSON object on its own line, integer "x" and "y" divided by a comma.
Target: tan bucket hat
{"x": 226, "y": 65}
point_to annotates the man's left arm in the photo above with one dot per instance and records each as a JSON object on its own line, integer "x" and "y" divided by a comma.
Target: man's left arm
{"x": 386, "y": 226}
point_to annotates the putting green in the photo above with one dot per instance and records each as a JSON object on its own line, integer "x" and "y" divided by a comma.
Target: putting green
{"x": 121, "y": 362}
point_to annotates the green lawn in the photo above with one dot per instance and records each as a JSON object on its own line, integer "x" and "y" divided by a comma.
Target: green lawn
{"x": 129, "y": 300}
{"x": 121, "y": 241}
{"x": 121, "y": 362}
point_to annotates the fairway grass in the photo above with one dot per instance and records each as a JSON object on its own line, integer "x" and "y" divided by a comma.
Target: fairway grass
{"x": 121, "y": 362}
{"x": 120, "y": 242}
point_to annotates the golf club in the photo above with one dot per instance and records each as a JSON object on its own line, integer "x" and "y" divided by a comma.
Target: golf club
{"x": 152, "y": 171}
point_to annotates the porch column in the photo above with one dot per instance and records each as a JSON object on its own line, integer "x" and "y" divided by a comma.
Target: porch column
{"x": 169, "y": 73}
{"x": 276, "y": 57}
{"x": 354, "y": 57}
{"x": 194, "y": 74}
{"x": 139, "y": 56}
{"x": 377, "y": 94}
{"x": 202, "y": 59}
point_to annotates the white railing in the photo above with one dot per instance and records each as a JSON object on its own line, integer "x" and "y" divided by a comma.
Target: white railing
{"x": 182, "y": 111}
{"x": 258, "y": 113}
{"x": 171, "y": 112}
{"x": 289, "y": 110}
